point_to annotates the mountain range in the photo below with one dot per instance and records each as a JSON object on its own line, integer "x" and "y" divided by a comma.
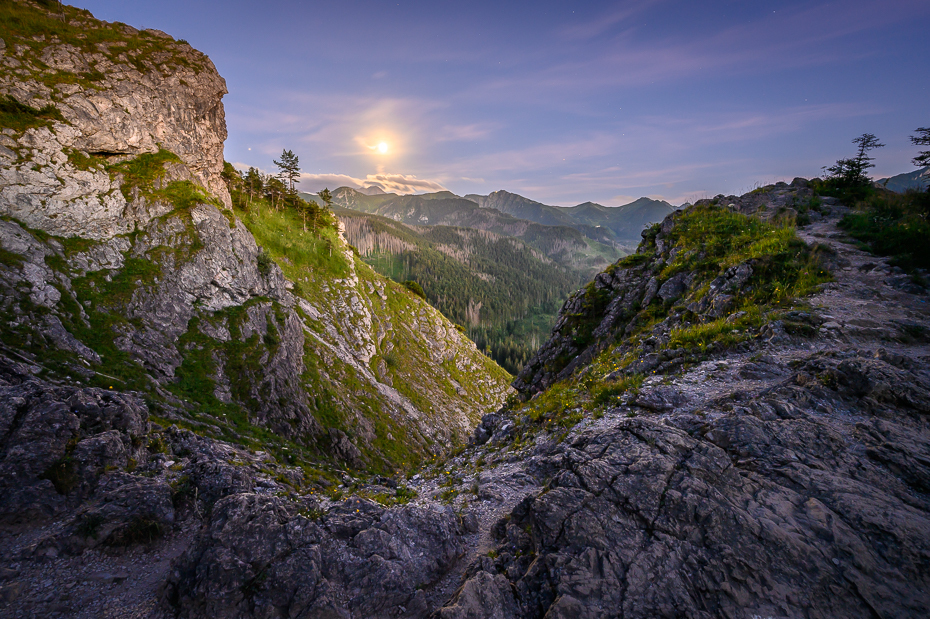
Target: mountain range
{"x": 899, "y": 183}
{"x": 620, "y": 226}
{"x": 624, "y": 223}
{"x": 500, "y": 272}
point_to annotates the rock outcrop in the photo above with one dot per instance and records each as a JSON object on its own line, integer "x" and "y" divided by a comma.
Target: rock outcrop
{"x": 132, "y": 93}
{"x": 260, "y": 556}
{"x": 780, "y": 473}
{"x": 788, "y": 499}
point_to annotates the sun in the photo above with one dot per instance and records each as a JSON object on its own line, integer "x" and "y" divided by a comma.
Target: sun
{"x": 383, "y": 147}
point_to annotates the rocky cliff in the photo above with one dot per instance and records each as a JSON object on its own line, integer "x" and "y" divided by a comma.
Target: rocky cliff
{"x": 124, "y": 267}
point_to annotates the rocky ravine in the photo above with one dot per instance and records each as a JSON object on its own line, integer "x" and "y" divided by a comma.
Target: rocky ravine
{"x": 786, "y": 478}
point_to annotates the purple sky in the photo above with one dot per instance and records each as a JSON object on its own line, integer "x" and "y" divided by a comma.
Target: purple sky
{"x": 559, "y": 101}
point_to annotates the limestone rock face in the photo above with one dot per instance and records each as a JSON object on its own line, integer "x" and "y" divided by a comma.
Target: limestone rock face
{"x": 258, "y": 555}
{"x": 163, "y": 94}
{"x": 124, "y": 266}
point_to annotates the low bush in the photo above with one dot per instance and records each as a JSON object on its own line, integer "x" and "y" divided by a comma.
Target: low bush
{"x": 894, "y": 225}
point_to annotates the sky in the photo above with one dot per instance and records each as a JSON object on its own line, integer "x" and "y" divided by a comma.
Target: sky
{"x": 562, "y": 102}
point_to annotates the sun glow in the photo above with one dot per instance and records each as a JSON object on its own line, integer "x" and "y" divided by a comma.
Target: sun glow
{"x": 380, "y": 144}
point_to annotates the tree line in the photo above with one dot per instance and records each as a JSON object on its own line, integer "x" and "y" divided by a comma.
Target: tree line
{"x": 279, "y": 190}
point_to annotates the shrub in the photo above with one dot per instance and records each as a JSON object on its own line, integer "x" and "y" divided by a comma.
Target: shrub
{"x": 264, "y": 262}
{"x": 894, "y": 225}
{"x": 139, "y": 530}
{"x": 415, "y": 288}
{"x": 89, "y": 525}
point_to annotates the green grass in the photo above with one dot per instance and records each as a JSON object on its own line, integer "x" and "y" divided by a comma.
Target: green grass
{"x": 712, "y": 238}
{"x": 85, "y": 162}
{"x": 633, "y": 260}
{"x": 10, "y": 259}
{"x": 115, "y": 290}
{"x": 299, "y": 254}
{"x": 35, "y": 27}
{"x": 610, "y": 392}
{"x": 19, "y": 116}
{"x": 894, "y": 225}
{"x": 722, "y": 331}
{"x": 242, "y": 358}
{"x": 142, "y": 172}
{"x": 104, "y": 304}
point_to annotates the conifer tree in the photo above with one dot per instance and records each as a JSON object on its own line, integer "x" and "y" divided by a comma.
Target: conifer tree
{"x": 850, "y": 173}
{"x": 327, "y": 197}
{"x": 922, "y": 139}
{"x": 290, "y": 169}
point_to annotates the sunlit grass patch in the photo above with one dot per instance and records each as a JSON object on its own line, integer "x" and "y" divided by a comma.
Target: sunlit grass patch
{"x": 725, "y": 331}
{"x": 298, "y": 253}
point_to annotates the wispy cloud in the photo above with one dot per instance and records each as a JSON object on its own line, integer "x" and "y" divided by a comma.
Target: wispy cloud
{"x": 389, "y": 183}
{"x": 605, "y": 21}
{"x": 787, "y": 39}
{"x": 464, "y": 133}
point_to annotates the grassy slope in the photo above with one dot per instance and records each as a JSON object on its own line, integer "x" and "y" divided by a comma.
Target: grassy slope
{"x": 520, "y": 291}
{"x": 322, "y": 269}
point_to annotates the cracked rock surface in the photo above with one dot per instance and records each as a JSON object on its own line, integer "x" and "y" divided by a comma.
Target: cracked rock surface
{"x": 786, "y": 479}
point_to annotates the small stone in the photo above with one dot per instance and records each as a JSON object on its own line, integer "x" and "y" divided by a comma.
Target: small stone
{"x": 11, "y": 592}
{"x": 107, "y": 577}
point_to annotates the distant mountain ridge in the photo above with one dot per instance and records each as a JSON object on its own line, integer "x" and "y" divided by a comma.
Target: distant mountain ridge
{"x": 589, "y": 249}
{"x": 624, "y": 222}
{"x": 899, "y": 183}
{"x": 618, "y": 226}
